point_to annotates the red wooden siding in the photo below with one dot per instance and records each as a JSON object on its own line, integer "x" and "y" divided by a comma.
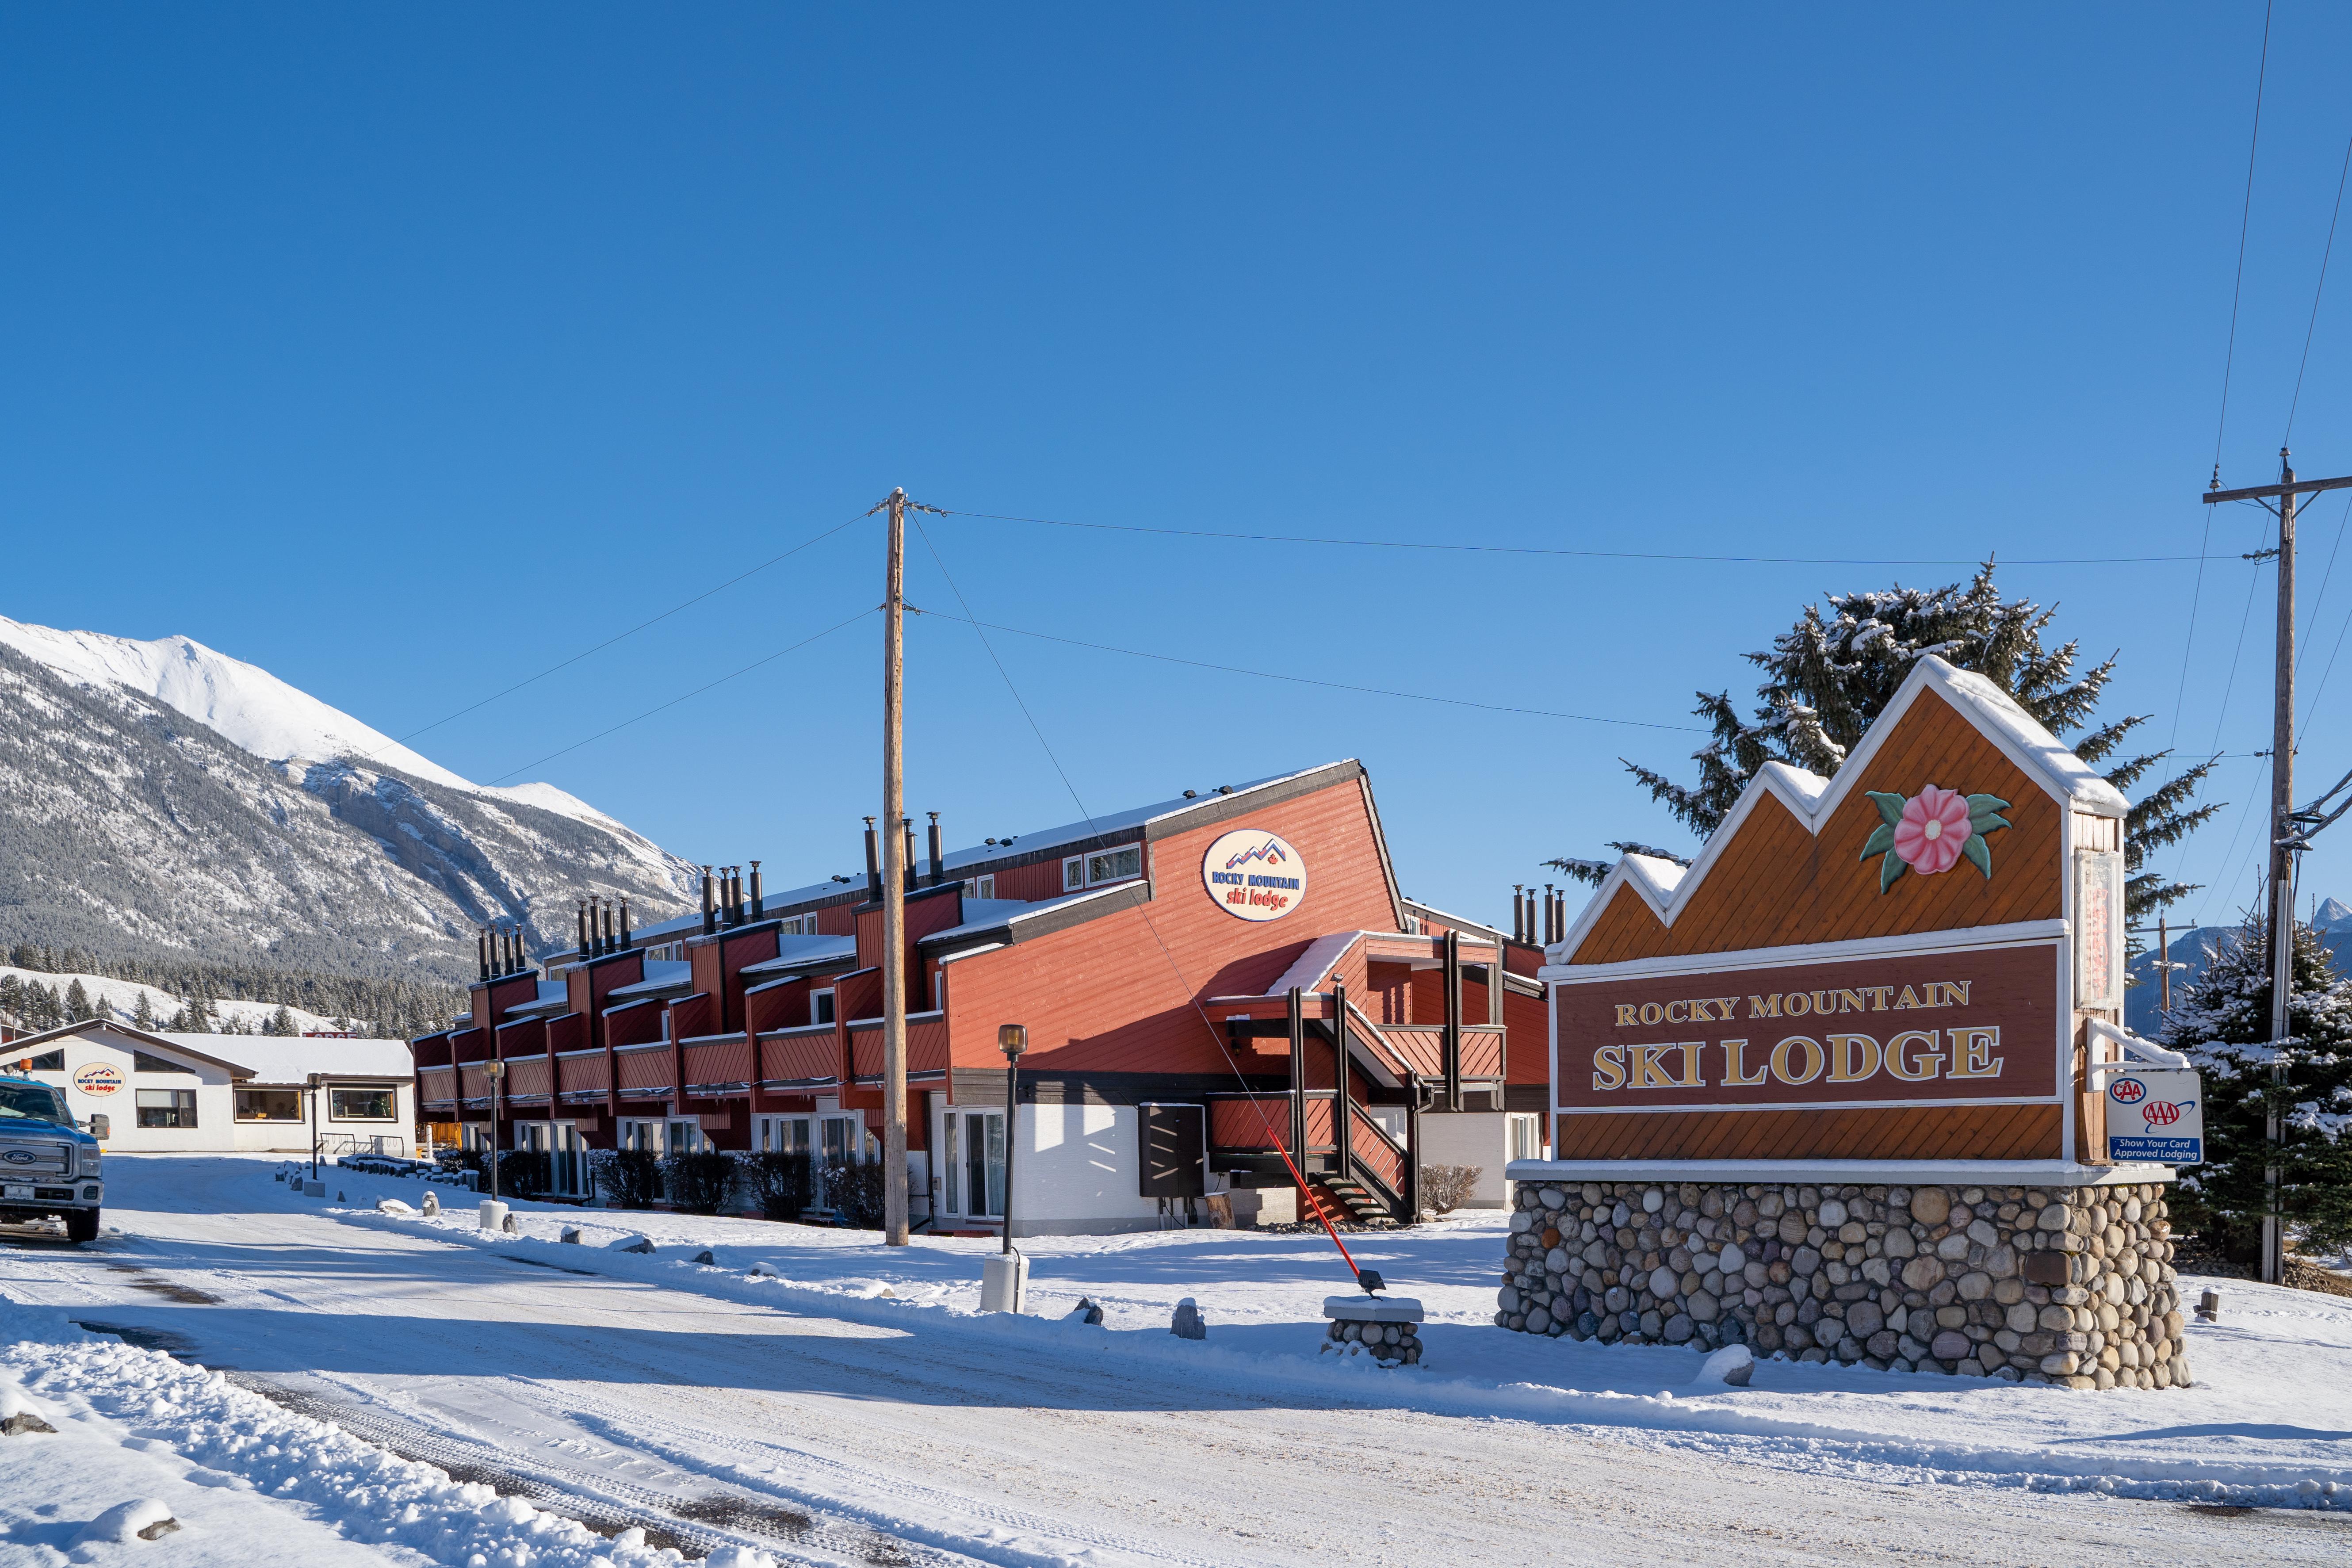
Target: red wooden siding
{"x": 583, "y": 1075}
{"x": 1945, "y": 1133}
{"x": 714, "y": 1066}
{"x": 645, "y": 1070}
{"x": 1064, "y": 986}
{"x": 808, "y": 1055}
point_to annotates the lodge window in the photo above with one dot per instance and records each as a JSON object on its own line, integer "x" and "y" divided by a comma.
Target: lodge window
{"x": 981, "y": 886}
{"x": 1526, "y": 1135}
{"x": 47, "y": 1061}
{"x": 567, "y": 1167}
{"x": 798, "y": 925}
{"x": 166, "y": 1107}
{"x": 360, "y": 1105}
{"x": 269, "y": 1105}
{"x": 821, "y": 1007}
{"x": 141, "y": 1061}
{"x": 641, "y": 1135}
{"x": 686, "y": 1137}
{"x": 1103, "y": 866}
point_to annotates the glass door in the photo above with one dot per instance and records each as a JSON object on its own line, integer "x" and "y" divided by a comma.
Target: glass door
{"x": 975, "y": 1163}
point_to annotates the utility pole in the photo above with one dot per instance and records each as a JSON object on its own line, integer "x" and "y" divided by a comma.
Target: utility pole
{"x": 2280, "y": 500}
{"x": 894, "y": 882}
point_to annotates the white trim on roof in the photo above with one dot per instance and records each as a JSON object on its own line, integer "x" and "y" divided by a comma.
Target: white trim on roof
{"x": 1668, "y": 889}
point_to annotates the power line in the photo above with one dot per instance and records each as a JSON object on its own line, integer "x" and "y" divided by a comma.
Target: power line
{"x": 1576, "y": 554}
{"x": 1311, "y": 680}
{"x": 2245, "y": 216}
{"x": 608, "y": 642}
{"x": 2253, "y": 582}
{"x": 674, "y": 701}
{"x": 2312, "y": 325}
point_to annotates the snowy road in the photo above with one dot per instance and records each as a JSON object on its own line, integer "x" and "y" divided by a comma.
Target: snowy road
{"x": 821, "y": 1437}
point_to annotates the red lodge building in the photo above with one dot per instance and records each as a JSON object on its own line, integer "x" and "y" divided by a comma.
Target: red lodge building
{"x": 1207, "y": 983}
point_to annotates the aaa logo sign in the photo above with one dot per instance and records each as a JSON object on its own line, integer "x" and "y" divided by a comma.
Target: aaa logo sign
{"x": 98, "y": 1077}
{"x": 1255, "y": 876}
{"x": 2156, "y": 1114}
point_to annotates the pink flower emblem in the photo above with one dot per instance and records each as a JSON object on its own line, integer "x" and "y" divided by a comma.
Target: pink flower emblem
{"x": 1932, "y": 829}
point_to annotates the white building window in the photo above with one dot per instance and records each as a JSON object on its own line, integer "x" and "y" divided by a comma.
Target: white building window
{"x": 635, "y": 1133}
{"x": 821, "y": 1007}
{"x": 686, "y": 1137}
{"x": 981, "y": 886}
{"x": 1525, "y": 1136}
{"x": 1103, "y": 866}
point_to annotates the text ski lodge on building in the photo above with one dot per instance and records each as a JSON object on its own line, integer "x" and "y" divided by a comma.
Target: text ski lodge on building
{"x": 1207, "y": 982}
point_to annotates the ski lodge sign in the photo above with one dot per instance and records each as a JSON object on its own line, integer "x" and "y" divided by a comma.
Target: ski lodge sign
{"x": 1904, "y": 962}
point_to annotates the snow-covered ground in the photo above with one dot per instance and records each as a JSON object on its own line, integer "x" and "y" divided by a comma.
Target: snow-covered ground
{"x": 818, "y": 1397}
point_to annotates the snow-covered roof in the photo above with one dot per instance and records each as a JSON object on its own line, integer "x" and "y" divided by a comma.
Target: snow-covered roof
{"x": 979, "y": 855}
{"x": 273, "y": 1058}
{"x": 1007, "y": 913}
{"x": 554, "y": 997}
{"x": 661, "y": 974}
{"x": 805, "y": 951}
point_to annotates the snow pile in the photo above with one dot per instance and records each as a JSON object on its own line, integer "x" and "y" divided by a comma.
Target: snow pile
{"x": 247, "y": 1480}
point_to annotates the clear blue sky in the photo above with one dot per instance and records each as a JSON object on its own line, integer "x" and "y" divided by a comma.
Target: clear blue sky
{"x": 407, "y": 351}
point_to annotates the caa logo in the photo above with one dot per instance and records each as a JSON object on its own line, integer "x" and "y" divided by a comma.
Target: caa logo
{"x": 2127, "y": 1090}
{"x": 99, "y": 1078}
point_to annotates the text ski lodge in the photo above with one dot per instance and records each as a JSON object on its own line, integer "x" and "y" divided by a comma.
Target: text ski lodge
{"x": 1206, "y": 983}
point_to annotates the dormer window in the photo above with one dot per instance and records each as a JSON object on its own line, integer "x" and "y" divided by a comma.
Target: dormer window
{"x": 1103, "y": 866}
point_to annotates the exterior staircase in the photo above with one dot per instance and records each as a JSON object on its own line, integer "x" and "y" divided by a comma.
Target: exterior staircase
{"x": 1344, "y": 1198}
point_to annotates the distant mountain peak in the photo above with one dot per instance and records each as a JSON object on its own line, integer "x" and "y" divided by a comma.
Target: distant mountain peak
{"x": 163, "y": 798}
{"x": 2330, "y": 913}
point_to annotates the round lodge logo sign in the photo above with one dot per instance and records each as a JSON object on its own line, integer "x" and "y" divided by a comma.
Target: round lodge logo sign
{"x": 98, "y": 1077}
{"x": 1255, "y": 876}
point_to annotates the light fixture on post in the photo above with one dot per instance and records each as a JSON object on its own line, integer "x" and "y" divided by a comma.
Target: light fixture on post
{"x": 496, "y": 1071}
{"x": 316, "y": 1081}
{"x": 1004, "y": 1278}
{"x": 1012, "y": 1040}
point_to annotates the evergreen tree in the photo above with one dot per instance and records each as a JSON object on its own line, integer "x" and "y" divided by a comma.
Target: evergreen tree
{"x": 11, "y": 999}
{"x": 42, "y": 1008}
{"x": 192, "y": 1019}
{"x": 144, "y": 1017}
{"x": 2222, "y": 1023}
{"x": 281, "y": 1021}
{"x": 1829, "y": 676}
{"x": 78, "y": 1008}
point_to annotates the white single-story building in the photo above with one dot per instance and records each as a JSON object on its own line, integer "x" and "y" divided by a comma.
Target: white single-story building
{"x": 179, "y": 1093}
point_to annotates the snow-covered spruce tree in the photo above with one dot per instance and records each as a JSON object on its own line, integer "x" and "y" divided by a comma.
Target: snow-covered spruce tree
{"x": 143, "y": 1017}
{"x": 2222, "y": 1023}
{"x": 281, "y": 1021}
{"x": 78, "y": 1007}
{"x": 1834, "y": 673}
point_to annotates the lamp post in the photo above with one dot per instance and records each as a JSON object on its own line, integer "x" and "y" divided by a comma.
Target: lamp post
{"x": 496, "y": 1070}
{"x": 317, "y": 1081}
{"x": 1011, "y": 1039}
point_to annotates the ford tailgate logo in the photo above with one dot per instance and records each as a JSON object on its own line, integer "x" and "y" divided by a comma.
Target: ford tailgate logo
{"x": 21, "y": 1157}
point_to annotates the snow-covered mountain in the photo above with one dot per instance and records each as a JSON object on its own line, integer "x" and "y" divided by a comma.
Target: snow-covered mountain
{"x": 163, "y": 799}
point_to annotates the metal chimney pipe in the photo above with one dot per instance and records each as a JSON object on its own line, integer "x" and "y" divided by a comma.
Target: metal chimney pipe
{"x": 709, "y": 911}
{"x": 939, "y": 854}
{"x": 608, "y": 925}
{"x": 580, "y": 913}
{"x": 758, "y": 899}
{"x": 872, "y": 861}
{"x": 734, "y": 894}
{"x": 907, "y": 825}
{"x": 1518, "y": 912}
{"x": 482, "y": 949}
{"x": 625, "y": 924}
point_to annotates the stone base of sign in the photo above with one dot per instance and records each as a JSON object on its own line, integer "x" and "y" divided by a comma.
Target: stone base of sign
{"x": 2070, "y": 1284}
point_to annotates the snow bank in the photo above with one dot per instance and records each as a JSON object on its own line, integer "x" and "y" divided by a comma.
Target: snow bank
{"x": 247, "y": 1480}
{"x": 2265, "y": 1426}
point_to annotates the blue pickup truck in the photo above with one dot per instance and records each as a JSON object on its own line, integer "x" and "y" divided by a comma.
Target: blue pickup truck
{"x": 49, "y": 1164}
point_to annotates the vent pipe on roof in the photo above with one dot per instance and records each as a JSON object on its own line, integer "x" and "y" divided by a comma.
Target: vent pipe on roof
{"x": 939, "y": 856}
{"x": 734, "y": 894}
{"x": 872, "y": 861}
{"x": 1518, "y": 911}
{"x": 906, "y": 830}
{"x": 710, "y": 913}
{"x": 625, "y": 924}
{"x": 604, "y": 937}
{"x": 579, "y": 910}
{"x": 482, "y": 949}
{"x": 758, "y": 899}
